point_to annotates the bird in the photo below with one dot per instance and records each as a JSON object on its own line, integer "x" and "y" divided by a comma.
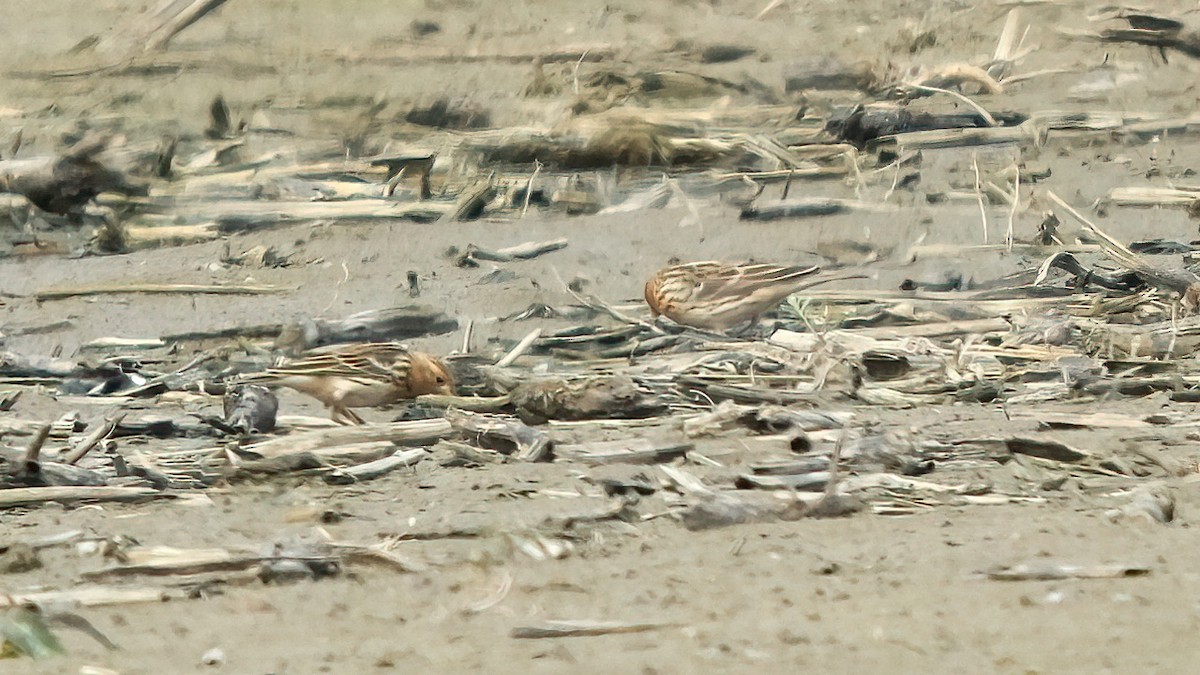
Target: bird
{"x": 64, "y": 185}
{"x": 359, "y": 375}
{"x": 718, "y": 296}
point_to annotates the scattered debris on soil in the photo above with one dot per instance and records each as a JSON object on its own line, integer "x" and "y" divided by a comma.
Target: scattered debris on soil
{"x": 739, "y": 393}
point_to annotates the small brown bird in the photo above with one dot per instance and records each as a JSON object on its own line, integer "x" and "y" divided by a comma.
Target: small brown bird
{"x": 718, "y": 296}
{"x": 360, "y": 375}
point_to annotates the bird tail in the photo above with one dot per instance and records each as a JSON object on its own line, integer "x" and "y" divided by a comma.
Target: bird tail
{"x": 843, "y": 276}
{"x": 262, "y": 377}
{"x": 771, "y": 275}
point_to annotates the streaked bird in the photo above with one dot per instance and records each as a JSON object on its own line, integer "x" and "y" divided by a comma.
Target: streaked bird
{"x": 718, "y": 296}
{"x": 360, "y": 375}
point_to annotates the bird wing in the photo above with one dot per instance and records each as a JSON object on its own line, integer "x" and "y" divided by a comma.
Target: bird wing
{"x": 374, "y": 362}
{"x": 716, "y": 281}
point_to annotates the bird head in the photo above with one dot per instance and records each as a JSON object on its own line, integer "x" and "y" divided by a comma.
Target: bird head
{"x": 428, "y": 375}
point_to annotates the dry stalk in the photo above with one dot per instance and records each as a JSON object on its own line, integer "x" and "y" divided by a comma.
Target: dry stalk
{"x": 835, "y": 460}
{"x": 1007, "y": 45}
{"x": 575, "y": 72}
{"x": 987, "y": 117}
{"x": 33, "y": 452}
{"x": 1174, "y": 332}
{"x": 787, "y": 185}
{"x": 522, "y": 347}
{"x": 1012, "y": 212}
{"x": 895, "y": 181}
{"x": 1181, "y": 281}
{"x": 537, "y": 168}
{"x": 599, "y": 305}
{"x": 770, "y": 6}
{"x": 860, "y": 180}
{"x": 466, "y": 341}
{"x": 979, "y": 196}
{"x": 137, "y": 287}
{"x": 389, "y": 188}
{"x": 93, "y": 439}
{"x": 337, "y": 288}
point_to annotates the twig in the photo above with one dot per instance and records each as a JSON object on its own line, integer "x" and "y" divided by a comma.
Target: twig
{"x": 895, "y": 181}
{"x": 481, "y": 404}
{"x": 537, "y": 167}
{"x": 1012, "y": 213}
{"x": 525, "y": 251}
{"x": 200, "y": 358}
{"x": 860, "y": 181}
{"x": 174, "y": 17}
{"x": 1091, "y": 227}
{"x": 506, "y": 434}
{"x": 522, "y": 346}
{"x": 93, "y": 439}
{"x": 1170, "y": 351}
{"x": 389, "y": 188}
{"x": 575, "y": 72}
{"x": 1006, "y": 46}
{"x": 1122, "y": 255}
{"x": 979, "y": 196}
{"x": 112, "y": 289}
{"x": 331, "y": 439}
{"x": 1009, "y": 46}
{"x": 33, "y": 452}
{"x": 907, "y": 156}
{"x": 376, "y": 468}
{"x": 987, "y": 116}
{"x": 770, "y": 6}
{"x": 832, "y": 504}
{"x": 835, "y": 460}
{"x": 597, "y": 304}
{"x": 89, "y": 596}
{"x": 466, "y": 341}
{"x": 72, "y": 493}
{"x": 337, "y": 288}
{"x": 558, "y": 629}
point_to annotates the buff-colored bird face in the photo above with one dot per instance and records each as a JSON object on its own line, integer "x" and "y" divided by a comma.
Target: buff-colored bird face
{"x": 719, "y": 296}
{"x": 428, "y": 375}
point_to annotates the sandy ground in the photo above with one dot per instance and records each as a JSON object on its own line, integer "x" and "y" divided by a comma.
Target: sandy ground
{"x": 863, "y": 594}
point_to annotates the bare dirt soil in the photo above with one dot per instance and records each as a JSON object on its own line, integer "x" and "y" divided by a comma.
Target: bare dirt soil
{"x": 867, "y": 593}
